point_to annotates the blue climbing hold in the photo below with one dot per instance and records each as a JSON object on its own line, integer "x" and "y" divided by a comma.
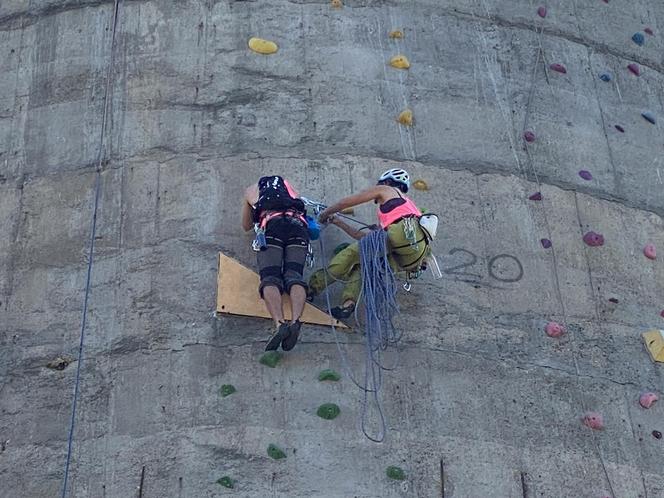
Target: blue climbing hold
{"x": 649, "y": 116}
{"x": 638, "y": 38}
{"x": 605, "y": 77}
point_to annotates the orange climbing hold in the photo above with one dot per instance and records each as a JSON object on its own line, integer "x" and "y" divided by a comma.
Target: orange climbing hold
{"x": 397, "y": 34}
{"x": 400, "y": 62}
{"x": 420, "y": 185}
{"x": 406, "y": 118}
{"x": 649, "y": 251}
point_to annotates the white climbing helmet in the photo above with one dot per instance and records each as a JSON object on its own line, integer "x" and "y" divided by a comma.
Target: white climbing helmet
{"x": 398, "y": 175}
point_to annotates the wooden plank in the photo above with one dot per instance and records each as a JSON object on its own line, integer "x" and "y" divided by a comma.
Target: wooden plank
{"x": 237, "y": 294}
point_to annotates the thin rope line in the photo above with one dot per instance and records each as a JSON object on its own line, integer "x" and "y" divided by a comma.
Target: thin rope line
{"x": 93, "y": 232}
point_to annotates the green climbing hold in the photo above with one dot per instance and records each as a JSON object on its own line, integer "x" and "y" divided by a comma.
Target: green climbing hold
{"x": 270, "y": 359}
{"x": 395, "y": 473}
{"x": 226, "y": 482}
{"x": 275, "y": 452}
{"x": 340, "y": 247}
{"x": 328, "y": 374}
{"x": 328, "y": 411}
{"x": 226, "y": 390}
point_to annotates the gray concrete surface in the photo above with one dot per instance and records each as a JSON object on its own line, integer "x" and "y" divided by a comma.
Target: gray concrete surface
{"x": 194, "y": 116}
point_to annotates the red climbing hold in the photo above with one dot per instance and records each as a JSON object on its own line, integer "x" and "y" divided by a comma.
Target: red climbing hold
{"x": 594, "y": 420}
{"x": 586, "y": 175}
{"x": 529, "y": 136}
{"x": 593, "y": 239}
{"x": 650, "y": 252}
{"x": 635, "y": 69}
{"x": 542, "y": 12}
{"x": 537, "y": 196}
{"x": 620, "y": 129}
{"x": 647, "y": 399}
{"x": 559, "y": 68}
{"x": 649, "y": 31}
{"x": 554, "y": 329}
{"x": 546, "y": 243}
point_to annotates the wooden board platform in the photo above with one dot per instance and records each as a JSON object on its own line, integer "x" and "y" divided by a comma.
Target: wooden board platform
{"x": 237, "y": 294}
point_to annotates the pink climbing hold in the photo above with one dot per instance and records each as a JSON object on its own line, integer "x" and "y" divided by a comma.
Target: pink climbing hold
{"x": 594, "y": 420}
{"x": 559, "y": 68}
{"x": 542, "y": 12}
{"x": 529, "y": 136}
{"x": 586, "y": 175}
{"x": 647, "y": 399}
{"x": 620, "y": 129}
{"x": 649, "y": 31}
{"x": 546, "y": 243}
{"x": 650, "y": 252}
{"x": 537, "y": 196}
{"x": 594, "y": 239}
{"x": 554, "y": 329}
{"x": 635, "y": 69}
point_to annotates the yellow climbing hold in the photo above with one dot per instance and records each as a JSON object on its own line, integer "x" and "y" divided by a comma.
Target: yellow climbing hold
{"x": 420, "y": 185}
{"x": 400, "y": 62}
{"x": 337, "y": 4}
{"x": 262, "y": 46}
{"x": 397, "y": 34}
{"x": 348, "y": 211}
{"x": 406, "y": 118}
{"x": 654, "y": 341}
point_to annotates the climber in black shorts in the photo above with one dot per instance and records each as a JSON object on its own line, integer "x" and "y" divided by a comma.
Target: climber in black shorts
{"x": 277, "y": 214}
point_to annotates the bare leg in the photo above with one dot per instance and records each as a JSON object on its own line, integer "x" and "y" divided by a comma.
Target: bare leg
{"x": 272, "y": 298}
{"x": 298, "y": 296}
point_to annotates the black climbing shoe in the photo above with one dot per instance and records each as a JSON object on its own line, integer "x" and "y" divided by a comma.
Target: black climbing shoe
{"x": 279, "y": 335}
{"x": 343, "y": 312}
{"x": 293, "y": 334}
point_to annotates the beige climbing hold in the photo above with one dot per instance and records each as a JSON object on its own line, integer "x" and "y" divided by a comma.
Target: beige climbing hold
{"x": 420, "y": 185}
{"x": 397, "y": 34}
{"x": 348, "y": 211}
{"x": 261, "y": 46}
{"x": 60, "y": 363}
{"x": 654, "y": 340}
{"x": 337, "y": 4}
{"x": 406, "y": 118}
{"x": 400, "y": 62}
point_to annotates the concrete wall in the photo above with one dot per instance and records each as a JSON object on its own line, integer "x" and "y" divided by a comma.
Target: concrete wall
{"x": 193, "y": 117}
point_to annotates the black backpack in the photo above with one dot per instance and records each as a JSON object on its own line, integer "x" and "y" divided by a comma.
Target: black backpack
{"x": 273, "y": 195}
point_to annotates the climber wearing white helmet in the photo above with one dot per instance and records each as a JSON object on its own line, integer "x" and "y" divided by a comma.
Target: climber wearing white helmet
{"x": 397, "y": 214}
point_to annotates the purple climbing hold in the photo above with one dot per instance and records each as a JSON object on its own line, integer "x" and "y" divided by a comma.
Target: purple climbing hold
{"x": 542, "y": 12}
{"x": 649, "y": 31}
{"x": 537, "y": 196}
{"x": 593, "y": 239}
{"x": 638, "y": 38}
{"x": 529, "y": 136}
{"x": 605, "y": 77}
{"x": 649, "y": 116}
{"x": 620, "y": 129}
{"x": 546, "y": 243}
{"x": 586, "y": 175}
{"x": 559, "y": 68}
{"x": 634, "y": 68}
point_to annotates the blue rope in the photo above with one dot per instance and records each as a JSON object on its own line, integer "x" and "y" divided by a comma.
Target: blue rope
{"x": 379, "y": 294}
{"x": 91, "y": 248}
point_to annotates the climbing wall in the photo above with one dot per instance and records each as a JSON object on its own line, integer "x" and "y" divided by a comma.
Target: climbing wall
{"x": 128, "y": 131}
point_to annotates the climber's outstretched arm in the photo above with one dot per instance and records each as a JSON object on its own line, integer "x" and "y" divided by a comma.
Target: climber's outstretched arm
{"x": 352, "y": 232}
{"x": 248, "y": 200}
{"x": 377, "y": 193}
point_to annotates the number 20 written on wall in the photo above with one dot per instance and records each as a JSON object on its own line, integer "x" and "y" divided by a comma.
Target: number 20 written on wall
{"x": 470, "y": 259}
